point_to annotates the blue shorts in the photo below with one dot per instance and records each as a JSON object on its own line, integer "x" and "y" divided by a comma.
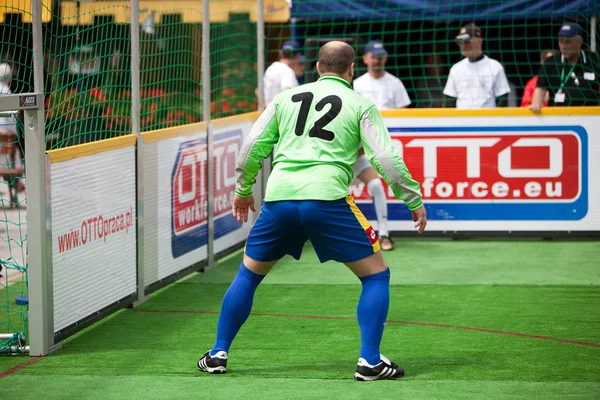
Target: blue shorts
{"x": 337, "y": 230}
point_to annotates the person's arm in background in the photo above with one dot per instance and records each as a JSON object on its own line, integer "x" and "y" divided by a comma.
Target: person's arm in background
{"x": 541, "y": 88}
{"x": 501, "y": 89}
{"x": 502, "y": 101}
{"x": 450, "y": 92}
{"x": 537, "y": 102}
{"x": 401, "y": 97}
{"x": 449, "y": 102}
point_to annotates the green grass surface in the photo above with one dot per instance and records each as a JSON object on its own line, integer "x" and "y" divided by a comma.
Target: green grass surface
{"x": 544, "y": 288}
{"x": 12, "y": 316}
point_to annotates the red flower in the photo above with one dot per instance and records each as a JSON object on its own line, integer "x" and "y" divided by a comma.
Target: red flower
{"x": 148, "y": 93}
{"x": 97, "y": 94}
{"x": 225, "y": 105}
{"x": 228, "y": 92}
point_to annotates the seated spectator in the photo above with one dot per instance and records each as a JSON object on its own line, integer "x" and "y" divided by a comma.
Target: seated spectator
{"x": 531, "y": 84}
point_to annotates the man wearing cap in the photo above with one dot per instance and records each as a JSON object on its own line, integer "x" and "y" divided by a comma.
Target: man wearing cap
{"x": 280, "y": 75}
{"x": 572, "y": 77}
{"x": 299, "y": 69}
{"x": 477, "y": 80}
{"x": 387, "y": 92}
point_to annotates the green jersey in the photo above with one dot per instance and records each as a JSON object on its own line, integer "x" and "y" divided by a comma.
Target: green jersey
{"x": 318, "y": 128}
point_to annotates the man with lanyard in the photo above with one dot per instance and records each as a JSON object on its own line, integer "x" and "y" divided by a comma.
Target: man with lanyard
{"x": 572, "y": 77}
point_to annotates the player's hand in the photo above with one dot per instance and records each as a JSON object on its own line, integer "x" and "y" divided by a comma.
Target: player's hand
{"x": 419, "y": 216}
{"x": 536, "y": 108}
{"x": 240, "y": 207}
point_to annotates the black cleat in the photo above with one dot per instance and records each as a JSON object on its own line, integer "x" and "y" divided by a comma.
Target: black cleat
{"x": 384, "y": 370}
{"x": 216, "y": 364}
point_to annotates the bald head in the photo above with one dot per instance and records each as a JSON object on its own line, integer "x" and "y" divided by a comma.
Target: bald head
{"x": 336, "y": 58}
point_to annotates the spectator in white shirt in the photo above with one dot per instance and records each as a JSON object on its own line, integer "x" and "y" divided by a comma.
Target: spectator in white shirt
{"x": 477, "y": 80}
{"x": 378, "y": 85}
{"x": 387, "y": 92}
{"x": 280, "y": 75}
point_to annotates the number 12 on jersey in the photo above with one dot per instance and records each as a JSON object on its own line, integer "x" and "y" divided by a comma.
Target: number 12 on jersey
{"x": 318, "y": 130}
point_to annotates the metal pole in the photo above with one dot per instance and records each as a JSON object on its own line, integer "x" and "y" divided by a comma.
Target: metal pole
{"x": 260, "y": 46}
{"x": 209, "y": 134}
{"x": 39, "y": 223}
{"x": 593, "y": 23}
{"x": 17, "y": 350}
{"x": 293, "y": 33}
{"x": 135, "y": 128}
{"x": 6, "y": 336}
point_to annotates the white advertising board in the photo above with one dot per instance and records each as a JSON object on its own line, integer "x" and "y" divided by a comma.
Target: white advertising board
{"x": 498, "y": 173}
{"x": 176, "y": 195}
{"x": 162, "y": 216}
{"x": 93, "y": 200}
{"x": 228, "y": 142}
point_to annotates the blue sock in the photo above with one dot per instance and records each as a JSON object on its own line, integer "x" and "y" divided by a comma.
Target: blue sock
{"x": 372, "y": 312}
{"x": 236, "y": 307}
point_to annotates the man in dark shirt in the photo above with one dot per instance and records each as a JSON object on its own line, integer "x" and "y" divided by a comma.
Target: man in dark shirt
{"x": 572, "y": 77}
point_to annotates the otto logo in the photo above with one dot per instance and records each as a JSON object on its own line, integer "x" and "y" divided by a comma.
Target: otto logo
{"x": 503, "y": 166}
{"x": 190, "y": 181}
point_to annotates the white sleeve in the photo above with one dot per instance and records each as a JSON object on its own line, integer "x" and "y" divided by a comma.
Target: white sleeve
{"x": 450, "y": 89}
{"x": 401, "y": 98}
{"x": 501, "y": 83}
{"x": 288, "y": 79}
{"x": 357, "y": 86}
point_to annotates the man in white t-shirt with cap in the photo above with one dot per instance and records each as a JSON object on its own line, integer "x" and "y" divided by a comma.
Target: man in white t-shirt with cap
{"x": 477, "y": 80}
{"x": 280, "y": 75}
{"x": 388, "y": 93}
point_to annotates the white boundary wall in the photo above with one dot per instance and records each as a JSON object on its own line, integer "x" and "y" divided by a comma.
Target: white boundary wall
{"x": 93, "y": 203}
{"x": 478, "y": 173}
{"x": 176, "y": 194}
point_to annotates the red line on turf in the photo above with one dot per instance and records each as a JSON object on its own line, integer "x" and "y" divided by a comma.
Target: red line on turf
{"x": 468, "y": 328}
{"x": 19, "y": 367}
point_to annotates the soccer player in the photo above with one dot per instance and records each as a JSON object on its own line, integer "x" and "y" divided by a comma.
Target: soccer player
{"x": 387, "y": 92}
{"x": 318, "y": 128}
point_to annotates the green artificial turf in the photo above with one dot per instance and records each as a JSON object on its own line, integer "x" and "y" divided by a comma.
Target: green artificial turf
{"x": 302, "y": 341}
{"x": 12, "y": 317}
